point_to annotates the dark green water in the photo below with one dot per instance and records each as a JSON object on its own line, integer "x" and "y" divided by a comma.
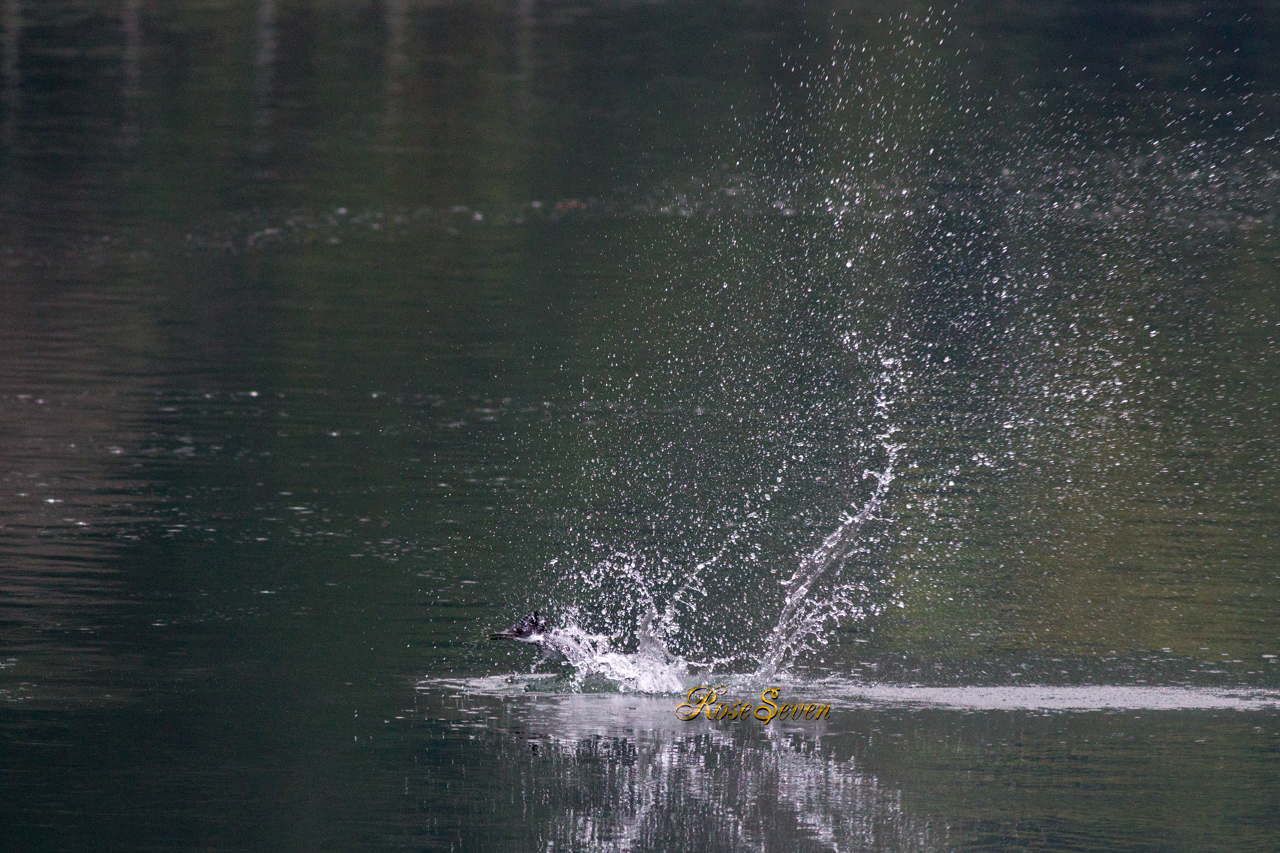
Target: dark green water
{"x": 337, "y": 335}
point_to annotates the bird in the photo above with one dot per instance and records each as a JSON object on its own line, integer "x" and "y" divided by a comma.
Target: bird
{"x": 531, "y": 628}
{"x": 528, "y": 629}
{"x": 650, "y": 669}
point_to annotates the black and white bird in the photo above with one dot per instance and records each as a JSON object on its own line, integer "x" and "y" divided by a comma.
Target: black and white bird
{"x": 650, "y": 669}
{"x": 526, "y": 627}
{"x": 532, "y": 628}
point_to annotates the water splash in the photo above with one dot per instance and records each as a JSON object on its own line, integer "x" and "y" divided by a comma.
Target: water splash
{"x": 652, "y": 668}
{"x": 806, "y": 613}
{"x": 818, "y": 595}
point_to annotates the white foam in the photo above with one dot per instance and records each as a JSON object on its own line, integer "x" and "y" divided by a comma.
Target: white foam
{"x": 850, "y": 696}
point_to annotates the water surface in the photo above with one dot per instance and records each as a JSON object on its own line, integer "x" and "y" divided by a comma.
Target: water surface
{"x": 921, "y": 361}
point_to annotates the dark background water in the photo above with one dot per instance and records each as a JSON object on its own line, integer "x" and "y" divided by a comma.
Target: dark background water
{"x": 339, "y": 334}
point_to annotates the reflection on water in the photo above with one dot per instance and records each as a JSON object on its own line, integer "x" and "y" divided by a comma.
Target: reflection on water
{"x": 620, "y": 773}
{"x": 71, "y": 489}
{"x": 610, "y": 772}
{"x": 337, "y": 335}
